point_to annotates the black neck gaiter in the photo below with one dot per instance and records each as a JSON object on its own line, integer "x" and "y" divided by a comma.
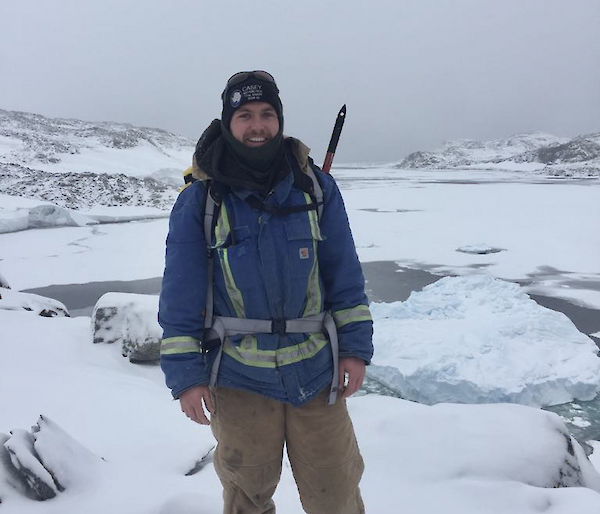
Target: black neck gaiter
{"x": 260, "y": 168}
{"x": 228, "y": 161}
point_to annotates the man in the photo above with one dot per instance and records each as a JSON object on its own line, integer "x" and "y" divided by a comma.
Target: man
{"x": 276, "y": 265}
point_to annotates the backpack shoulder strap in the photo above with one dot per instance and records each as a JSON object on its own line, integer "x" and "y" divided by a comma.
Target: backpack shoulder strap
{"x": 317, "y": 189}
{"x": 215, "y": 192}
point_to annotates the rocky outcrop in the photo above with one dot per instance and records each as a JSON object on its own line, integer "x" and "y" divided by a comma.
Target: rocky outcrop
{"x": 130, "y": 322}
{"x": 15, "y": 301}
{"x": 85, "y": 190}
{"x": 43, "y": 462}
{"x": 79, "y": 164}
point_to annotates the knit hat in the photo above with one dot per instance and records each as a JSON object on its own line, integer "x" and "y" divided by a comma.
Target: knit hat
{"x": 250, "y": 86}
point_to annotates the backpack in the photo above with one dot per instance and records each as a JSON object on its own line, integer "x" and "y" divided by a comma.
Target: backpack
{"x": 216, "y": 328}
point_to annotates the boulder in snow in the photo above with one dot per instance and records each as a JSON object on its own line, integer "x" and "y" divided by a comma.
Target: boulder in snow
{"x": 45, "y": 461}
{"x": 11, "y": 482}
{"x": 129, "y": 320}
{"x": 467, "y": 444}
{"x": 16, "y": 301}
{"x": 26, "y": 462}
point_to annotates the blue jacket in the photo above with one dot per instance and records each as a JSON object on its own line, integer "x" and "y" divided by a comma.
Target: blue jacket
{"x": 265, "y": 267}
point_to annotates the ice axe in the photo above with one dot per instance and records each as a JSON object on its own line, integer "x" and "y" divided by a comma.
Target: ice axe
{"x": 335, "y": 137}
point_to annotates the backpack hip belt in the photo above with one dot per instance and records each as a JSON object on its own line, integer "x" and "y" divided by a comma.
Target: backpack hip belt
{"x": 223, "y": 326}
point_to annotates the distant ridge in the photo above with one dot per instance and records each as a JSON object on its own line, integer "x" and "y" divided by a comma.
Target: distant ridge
{"x": 543, "y": 153}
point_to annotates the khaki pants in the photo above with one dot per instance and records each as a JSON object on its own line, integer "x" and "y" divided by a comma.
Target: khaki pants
{"x": 251, "y": 431}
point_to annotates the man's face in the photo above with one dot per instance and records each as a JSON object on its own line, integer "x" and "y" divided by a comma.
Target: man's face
{"x": 254, "y": 124}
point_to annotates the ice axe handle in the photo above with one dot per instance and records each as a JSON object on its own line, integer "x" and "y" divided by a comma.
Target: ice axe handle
{"x": 335, "y": 137}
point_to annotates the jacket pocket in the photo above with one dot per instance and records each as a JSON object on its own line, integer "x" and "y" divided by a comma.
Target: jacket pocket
{"x": 302, "y": 245}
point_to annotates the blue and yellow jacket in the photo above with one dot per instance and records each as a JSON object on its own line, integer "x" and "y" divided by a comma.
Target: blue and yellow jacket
{"x": 265, "y": 267}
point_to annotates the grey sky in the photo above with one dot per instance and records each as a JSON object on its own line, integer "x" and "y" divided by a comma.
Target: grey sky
{"x": 413, "y": 73}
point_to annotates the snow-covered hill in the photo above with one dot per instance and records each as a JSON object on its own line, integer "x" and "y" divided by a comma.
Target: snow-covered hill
{"x": 577, "y": 157}
{"x": 79, "y": 164}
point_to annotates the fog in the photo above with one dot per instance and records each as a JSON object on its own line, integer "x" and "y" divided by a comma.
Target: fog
{"x": 412, "y": 73}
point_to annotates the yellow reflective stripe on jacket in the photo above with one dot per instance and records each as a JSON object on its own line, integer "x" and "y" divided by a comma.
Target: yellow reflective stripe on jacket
{"x": 223, "y": 227}
{"x": 358, "y": 313}
{"x": 235, "y": 295}
{"x": 176, "y": 345}
{"x": 222, "y": 231}
{"x": 248, "y": 353}
{"x": 313, "y": 286}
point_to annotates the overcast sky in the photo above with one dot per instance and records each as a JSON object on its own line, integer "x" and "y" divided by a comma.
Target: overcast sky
{"x": 413, "y": 73}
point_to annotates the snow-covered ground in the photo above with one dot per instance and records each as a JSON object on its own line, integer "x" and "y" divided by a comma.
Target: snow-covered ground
{"x": 457, "y": 459}
{"x": 420, "y": 459}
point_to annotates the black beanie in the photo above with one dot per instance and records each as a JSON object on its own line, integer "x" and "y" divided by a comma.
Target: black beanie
{"x": 252, "y": 89}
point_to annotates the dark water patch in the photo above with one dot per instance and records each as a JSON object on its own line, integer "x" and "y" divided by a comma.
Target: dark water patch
{"x": 388, "y": 282}
{"x": 83, "y": 297}
{"x": 582, "y": 419}
{"x": 585, "y": 319}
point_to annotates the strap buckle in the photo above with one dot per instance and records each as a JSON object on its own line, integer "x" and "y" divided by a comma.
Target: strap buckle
{"x": 278, "y": 326}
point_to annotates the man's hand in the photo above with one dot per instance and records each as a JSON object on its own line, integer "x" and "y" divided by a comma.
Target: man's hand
{"x": 191, "y": 404}
{"x": 355, "y": 368}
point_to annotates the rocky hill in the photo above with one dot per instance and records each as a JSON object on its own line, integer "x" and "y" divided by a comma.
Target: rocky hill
{"x": 543, "y": 153}
{"x": 79, "y": 164}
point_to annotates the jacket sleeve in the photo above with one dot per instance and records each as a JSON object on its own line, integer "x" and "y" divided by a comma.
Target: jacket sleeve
{"x": 183, "y": 293}
{"x": 342, "y": 276}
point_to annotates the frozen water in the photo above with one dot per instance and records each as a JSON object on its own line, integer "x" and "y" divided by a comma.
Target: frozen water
{"x": 479, "y": 339}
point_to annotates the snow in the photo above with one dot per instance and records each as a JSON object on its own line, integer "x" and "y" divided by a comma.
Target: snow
{"x": 142, "y": 161}
{"x": 472, "y": 337}
{"x": 15, "y": 301}
{"x": 465, "y": 459}
{"x": 546, "y": 227}
{"x": 126, "y": 251}
{"x": 479, "y": 339}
